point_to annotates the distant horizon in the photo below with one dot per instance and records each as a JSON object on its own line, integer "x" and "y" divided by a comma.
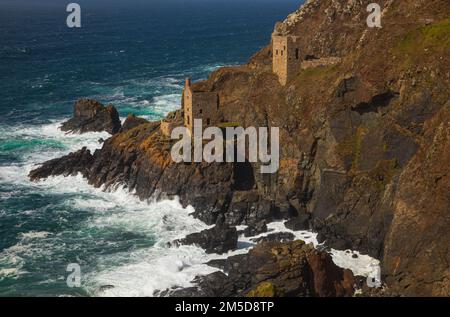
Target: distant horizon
{"x": 132, "y": 2}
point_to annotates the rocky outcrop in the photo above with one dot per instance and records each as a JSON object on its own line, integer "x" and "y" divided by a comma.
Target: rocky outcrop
{"x": 417, "y": 249}
{"x": 219, "y": 239}
{"x": 132, "y": 122}
{"x": 255, "y": 229}
{"x": 275, "y": 269}
{"x": 71, "y": 164}
{"x": 301, "y": 222}
{"x": 275, "y": 237}
{"x": 91, "y": 116}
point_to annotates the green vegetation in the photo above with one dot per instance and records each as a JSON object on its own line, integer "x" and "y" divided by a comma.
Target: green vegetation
{"x": 359, "y": 135}
{"x": 319, "y": 71}
{"x": 352, "y": 147}
{"x": 228, "y": 125}
{"x": 264, "y": 289}
{"x": 430, "y": 36}
{"x": 434, "y": 38}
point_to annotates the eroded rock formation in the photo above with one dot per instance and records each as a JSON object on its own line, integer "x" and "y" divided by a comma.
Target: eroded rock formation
{"x": 219, "y": 239}
{"x": 91, "y": 116}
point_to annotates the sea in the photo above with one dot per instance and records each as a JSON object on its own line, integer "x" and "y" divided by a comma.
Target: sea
{"x": 134, "y": 54}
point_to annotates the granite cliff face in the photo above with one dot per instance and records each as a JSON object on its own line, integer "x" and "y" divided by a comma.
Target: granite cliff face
{"x": 364, "y": 143}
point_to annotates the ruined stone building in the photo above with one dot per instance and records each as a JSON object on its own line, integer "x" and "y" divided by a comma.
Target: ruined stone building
{"x": 286, "y": 56}
{"x": 173, "y": 119}
{"x": 288, "y": 59}
{"x": 199, "y": 105}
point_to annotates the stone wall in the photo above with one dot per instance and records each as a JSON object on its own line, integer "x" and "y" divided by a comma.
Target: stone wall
{"x": 167, "y": 127}
{"x": 320, "y": 62}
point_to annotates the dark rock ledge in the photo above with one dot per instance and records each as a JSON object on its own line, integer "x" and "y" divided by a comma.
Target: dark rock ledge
{"x": 219, "y": 239}
{"x": 273, "y": 269}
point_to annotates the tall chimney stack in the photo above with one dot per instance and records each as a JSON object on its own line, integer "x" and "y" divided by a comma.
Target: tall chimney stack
{"x": 188, "y": 82}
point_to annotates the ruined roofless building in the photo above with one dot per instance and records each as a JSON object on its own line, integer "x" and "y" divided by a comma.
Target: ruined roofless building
{"x": 286, "y": 56}
{"x": 199, "y": 105}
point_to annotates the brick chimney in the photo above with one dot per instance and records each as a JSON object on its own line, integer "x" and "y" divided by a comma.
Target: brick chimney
{"x": 188, "y": 82}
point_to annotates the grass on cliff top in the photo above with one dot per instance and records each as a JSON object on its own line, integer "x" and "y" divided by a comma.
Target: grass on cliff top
{"x": 317, "y": 72}
{"x": 314, "y": 80}
{"x": 434, "y": 38}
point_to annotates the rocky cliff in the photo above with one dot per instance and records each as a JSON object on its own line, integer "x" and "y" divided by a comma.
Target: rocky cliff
{"x": 364, "y": 143}
{"x": 91, "y": 116}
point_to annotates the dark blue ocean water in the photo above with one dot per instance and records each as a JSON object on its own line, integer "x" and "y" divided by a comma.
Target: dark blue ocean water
{"x": 134, "y": 54}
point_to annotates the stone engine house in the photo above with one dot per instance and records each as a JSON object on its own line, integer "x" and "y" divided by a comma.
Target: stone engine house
{"x": 286, "y": 56}
{"x": 199, "y": 105}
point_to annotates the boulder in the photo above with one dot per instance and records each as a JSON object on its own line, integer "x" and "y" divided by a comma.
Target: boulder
{"x": 276, "y": 237}
{"x": 91, "y": 116}
{"x": 301, "y": 222}
{"x": 255, "y": 229}
{"x": 219, "y": 239}
{"x": 132, "y": 122}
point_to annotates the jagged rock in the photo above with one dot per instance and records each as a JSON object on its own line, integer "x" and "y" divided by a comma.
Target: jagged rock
{"x": 218, "y": 263}
{"x": 276, "y": 269}
{"x": 255, "y": 229}
{"x": 91, "y": 116}
{"x": 276, "y": 237}
{"x": 219, "y": 239}
{"x": 71, "y": 164}
{"x": 131, "y": 122}
{"x": 211, "y": 285}
{"x": 248, "y": 208}
{"x": 301, "y": 222}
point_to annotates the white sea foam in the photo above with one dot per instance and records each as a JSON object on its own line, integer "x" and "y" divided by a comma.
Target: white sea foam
{"x": 10, "y": 272}
{"x": 17, "y": 173}
{"x": 161, "y": 267}
{"x": 146, "y": 270}
{"x": 167, "y": 102}
{"x": 359, "y": 264}
{"x": 34, "y": 235}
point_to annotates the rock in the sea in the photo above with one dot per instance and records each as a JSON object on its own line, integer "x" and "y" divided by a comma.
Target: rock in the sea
{"x": 71, "y": 164}
{"x": 132, "y": 122}
{"x": 276, "y": 237}
{"x": 219, "y": 239}
{"x": 91, "y": 116}
{"x": 276, "y": 269}
{"x": 255, "y": 229}
{"x": 301, "y": 222}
